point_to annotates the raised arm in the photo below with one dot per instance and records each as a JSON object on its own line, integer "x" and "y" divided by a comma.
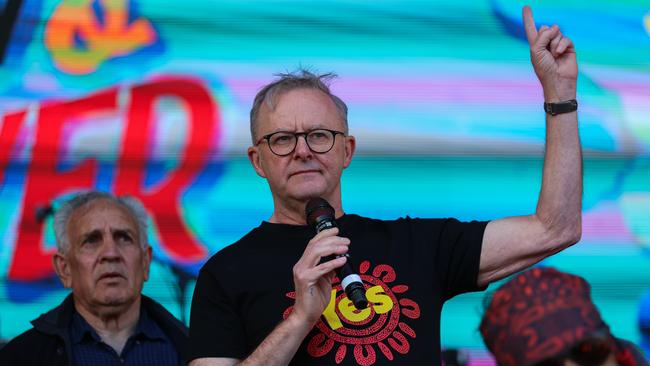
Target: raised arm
{"x": 514, "y": 243}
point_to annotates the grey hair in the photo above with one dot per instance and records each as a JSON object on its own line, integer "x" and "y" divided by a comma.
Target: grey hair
{"x": 64, "y": 213}
{"x": 299, "y": 79}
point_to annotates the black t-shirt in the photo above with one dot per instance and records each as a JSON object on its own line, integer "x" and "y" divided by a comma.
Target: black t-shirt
{"x": 409, "y": 268}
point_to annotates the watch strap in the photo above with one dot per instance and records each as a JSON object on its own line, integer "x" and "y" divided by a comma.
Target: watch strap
{"x": 566, "y": 106}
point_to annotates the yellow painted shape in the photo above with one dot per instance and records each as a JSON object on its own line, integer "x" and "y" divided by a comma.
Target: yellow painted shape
{"x": 381, "y": 302}
{"x": 347, "y": 309}
{"x": 330, "y": 313}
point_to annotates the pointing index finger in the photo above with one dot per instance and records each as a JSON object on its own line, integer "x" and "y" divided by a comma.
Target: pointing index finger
{"x": 529, "y": 24}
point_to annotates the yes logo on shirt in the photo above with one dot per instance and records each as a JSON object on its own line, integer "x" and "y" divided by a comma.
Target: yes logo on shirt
{"x": 380, "y": 328}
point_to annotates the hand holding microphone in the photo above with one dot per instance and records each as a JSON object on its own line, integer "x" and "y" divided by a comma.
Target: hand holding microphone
{"x": 313, "y": 278}
{"x": 320, "y": 215}
{"x": 312, "y": 274}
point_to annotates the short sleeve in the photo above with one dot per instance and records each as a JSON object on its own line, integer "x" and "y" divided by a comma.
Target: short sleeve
{"x": 456, "y": 251}
{"x": 216, "y": 329}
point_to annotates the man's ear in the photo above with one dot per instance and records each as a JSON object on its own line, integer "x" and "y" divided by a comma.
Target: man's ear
{"x": 350, "y": 146}
{"x": 62, "y": 269}
{"x": 255, "y": 157}
{"x": 146, "y": 261}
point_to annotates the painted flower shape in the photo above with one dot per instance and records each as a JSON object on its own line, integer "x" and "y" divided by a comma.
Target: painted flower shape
{"x": 380, "y": 328}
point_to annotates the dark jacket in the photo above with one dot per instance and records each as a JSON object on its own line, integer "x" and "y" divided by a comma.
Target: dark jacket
{"x": 48, "y": 342}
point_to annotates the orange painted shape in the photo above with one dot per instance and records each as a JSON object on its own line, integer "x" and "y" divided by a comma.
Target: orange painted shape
{"x": 116, "y": 37}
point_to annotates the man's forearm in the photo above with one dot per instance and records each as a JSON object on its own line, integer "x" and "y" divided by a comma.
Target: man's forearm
{"x": 279, "y": 347}
{"x": 560, "y": 200}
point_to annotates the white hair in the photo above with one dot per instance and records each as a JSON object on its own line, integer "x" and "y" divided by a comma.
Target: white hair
{"x": 64, "y": 213}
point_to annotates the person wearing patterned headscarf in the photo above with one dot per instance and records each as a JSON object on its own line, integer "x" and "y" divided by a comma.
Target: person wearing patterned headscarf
{"x": 544, "y": 317}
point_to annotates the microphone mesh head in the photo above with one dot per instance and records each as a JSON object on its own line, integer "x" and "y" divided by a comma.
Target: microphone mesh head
{"x": 318, "y": 207}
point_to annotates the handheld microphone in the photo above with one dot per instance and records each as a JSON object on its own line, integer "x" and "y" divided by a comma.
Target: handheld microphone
{"x": 320, "y": 215}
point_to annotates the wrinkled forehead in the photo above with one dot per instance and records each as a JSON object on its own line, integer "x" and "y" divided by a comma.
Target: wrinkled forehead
{"x": 101, "y": 213}
{"x": 299, "y": 110}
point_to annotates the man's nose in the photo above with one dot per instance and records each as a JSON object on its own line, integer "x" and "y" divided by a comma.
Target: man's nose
{"x": 110, "y": 249}
{"x": 302, "y": 149}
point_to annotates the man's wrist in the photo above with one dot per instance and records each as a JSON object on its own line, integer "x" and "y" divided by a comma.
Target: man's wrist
{"x": 559, "y": 94}
{"x": 559, "y": 97}
{"x": 298, "y": 323}
{"x": 566, "y": 106}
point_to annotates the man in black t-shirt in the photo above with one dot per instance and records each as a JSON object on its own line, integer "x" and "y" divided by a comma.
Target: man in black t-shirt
{"x": 249, "y": 307}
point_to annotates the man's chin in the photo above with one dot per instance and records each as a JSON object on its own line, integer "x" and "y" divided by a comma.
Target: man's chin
{"x": 116, "y": 299}
{"x": 309, "y": 193}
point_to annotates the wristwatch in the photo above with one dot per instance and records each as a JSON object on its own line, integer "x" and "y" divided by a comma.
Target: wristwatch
{"x": 561, "y": 107}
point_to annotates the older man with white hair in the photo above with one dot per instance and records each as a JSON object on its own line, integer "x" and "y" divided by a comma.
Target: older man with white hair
{"x": 102, "y": 255}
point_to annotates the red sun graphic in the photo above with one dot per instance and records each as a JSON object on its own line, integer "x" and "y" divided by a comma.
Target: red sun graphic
{"x": 379, "y": 327}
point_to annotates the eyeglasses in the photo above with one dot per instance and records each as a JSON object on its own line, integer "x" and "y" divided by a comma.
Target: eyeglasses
{"x": 592, "y": 351}
{"x": 283, "y": 143}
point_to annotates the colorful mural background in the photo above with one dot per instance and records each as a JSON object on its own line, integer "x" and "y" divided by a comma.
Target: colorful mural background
{"x": 151, "y": 98}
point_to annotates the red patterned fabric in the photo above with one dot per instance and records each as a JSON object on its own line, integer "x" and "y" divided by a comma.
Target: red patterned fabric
{"x": 628, "y": 355}
{"x": 539, "y": 314}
